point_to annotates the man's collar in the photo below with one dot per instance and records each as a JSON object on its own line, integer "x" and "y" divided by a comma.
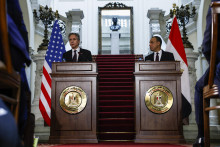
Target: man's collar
{"x": 78, "y": 49}
{"x": 160, "y": 52}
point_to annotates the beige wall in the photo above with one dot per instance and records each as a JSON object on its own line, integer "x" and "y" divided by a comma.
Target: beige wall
{"x": 24, "y": 9}
{"x": 193, "y": 39}
{"x": 205, "y": 10}
{"x": 37, "y": 41}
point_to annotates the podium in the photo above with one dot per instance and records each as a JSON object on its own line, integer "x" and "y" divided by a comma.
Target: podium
{"x": 158, "y": 124}
{"x": 73, "y": 127}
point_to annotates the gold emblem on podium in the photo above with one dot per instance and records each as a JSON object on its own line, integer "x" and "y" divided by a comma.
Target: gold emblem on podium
{"x": 159, "y": 99}
{"x": 73, "y": 99}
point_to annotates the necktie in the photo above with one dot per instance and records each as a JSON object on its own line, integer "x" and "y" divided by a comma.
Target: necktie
{"x": 157, "y": 57}
{"x": 75, "y": 56}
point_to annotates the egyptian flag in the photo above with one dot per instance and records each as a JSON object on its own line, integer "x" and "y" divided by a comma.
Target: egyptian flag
{"x": 175, "y": 46}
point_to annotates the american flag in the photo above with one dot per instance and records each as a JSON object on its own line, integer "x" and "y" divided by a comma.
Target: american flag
{"x": 54, "y": 53}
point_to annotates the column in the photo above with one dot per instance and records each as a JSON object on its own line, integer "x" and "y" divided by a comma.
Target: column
{"x": 155, "y": 15}
{"x": 190, "y": 131}
{"x": 41, "y": 131}
{"x": 39, "y": 60}
{"x": 74, "y": 21}
{"x": 191, "y": 59}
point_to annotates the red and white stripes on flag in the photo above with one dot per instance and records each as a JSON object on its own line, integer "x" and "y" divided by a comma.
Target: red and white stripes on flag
{"x": 54, "y": 53}
{"x": 45, "y": 96}
{"x": 175, "y": 46}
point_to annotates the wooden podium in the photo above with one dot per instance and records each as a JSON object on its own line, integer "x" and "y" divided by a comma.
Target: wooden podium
{"x": 154, "y": 127}
{"x": 80, "y": 127}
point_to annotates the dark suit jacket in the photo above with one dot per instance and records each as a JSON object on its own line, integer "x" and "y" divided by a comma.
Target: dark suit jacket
{"x": 206, "y": 44}
{"x": 84, "y": 56}
{"x": 166, "y": 56}
{"x": 206, "y": 50}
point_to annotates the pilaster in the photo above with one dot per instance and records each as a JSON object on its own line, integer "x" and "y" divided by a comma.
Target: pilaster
{"x": 40, "y": 130}
{"x": 155, "y": 14}
{"x": 74, "y": 23}
{"x": 190, "y": 131}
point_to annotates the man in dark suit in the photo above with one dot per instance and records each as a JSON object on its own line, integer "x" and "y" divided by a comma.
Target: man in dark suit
{"x": 206, "y": 49}
{"x": 76, "y": 54}
{"x": 159, "y": 54}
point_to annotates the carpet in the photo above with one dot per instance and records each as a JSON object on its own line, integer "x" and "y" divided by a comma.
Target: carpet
{"x": 116, "y": 120}
{"x": 122, "y": 144}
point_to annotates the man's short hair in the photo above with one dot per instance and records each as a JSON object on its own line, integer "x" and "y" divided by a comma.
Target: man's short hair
{"x": 76, "y": 34}
{"x": 158, "y": 39}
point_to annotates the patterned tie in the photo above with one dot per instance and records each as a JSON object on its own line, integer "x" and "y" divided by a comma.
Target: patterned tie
{"x": 157, "y": 57}
{"x": 75, "y": 56}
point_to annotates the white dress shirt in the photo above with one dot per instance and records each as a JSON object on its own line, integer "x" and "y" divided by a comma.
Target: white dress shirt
{"x": 159, "y": 54}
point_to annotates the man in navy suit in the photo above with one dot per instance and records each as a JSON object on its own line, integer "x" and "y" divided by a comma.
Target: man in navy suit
{"x": 159, "y": 54}
{"x": 76, "y": 54}
{"x": 206, "y": 49}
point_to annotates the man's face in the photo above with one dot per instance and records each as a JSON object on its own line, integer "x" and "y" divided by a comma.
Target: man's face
{"x": 154, "y": 45}
{"x": 74, "y": 42}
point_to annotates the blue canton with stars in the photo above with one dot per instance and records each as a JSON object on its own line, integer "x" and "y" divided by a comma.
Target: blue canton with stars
{"x": 56, "y": 46}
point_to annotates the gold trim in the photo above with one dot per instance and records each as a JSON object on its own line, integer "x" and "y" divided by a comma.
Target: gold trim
{"x": 117, "y": 140}
{"x": 116, "y": 132}
{"x": 159, "y": 99}
{"x": 73, "y": 99}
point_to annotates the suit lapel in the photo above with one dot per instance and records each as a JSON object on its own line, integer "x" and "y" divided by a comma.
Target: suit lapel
{"x": 80, "y": 54}
{"x": 69, "y": 55}
{"x": 163, "y": 57}
{"x": 152, "y": 57}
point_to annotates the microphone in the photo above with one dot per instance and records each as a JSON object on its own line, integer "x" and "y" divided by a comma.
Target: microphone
{"x": 140, "y": 59}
